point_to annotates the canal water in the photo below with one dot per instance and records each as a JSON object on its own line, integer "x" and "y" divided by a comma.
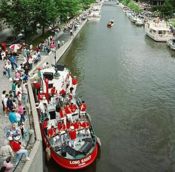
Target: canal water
{"x": 128, "y": 83}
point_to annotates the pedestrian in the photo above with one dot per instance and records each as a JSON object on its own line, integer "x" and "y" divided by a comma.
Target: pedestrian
{"x": 18, "y": 149}
{"x": 8, "y": 165}
{"x": 71, "y": 32}
{"x": 8, "y": 68}
{"x": 5, "y": 104}
{"x": 14, "y": 117}
{"x": 13, "y": 88}
{"x": 2, "y": 99}
{"x": 6, "y": 150}
{"x": 26, "y": 67}
{"x": 13, "y": 61}
{"x": 24, "y": 93}
{"x": 10, "y": 102}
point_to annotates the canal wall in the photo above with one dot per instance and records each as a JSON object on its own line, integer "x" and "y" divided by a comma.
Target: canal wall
{"x": 59, "y": 52}
{"x": 36, "y": 154}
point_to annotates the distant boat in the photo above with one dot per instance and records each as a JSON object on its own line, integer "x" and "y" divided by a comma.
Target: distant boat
{"x": 94, "y": 16}
{"x": 158, "y": 30}
{"x": 139, "y": 22}
{"x": 171, "y": 43}
{"x": 110, "y": 23}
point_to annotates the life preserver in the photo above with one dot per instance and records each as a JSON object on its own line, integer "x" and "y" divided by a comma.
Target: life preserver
{"x": 48, "y": 153}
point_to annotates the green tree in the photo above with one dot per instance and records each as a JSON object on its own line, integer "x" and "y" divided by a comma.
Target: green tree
{"x": 17, "y": 14}
{"x": 133, "y": 6}
{"x": 45, "y": 13}
{"x": 86, "y": 3}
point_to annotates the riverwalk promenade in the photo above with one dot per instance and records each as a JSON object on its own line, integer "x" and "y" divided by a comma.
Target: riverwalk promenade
{"x": 32, "y": 123}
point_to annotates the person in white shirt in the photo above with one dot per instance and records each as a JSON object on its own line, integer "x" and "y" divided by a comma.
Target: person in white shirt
{"x": 5, "y": 104}
{"x": 2, "y": 99}
{"x": 3, "y": 55}
{"x": 6, "y": 150}
{"x": 46, "y": 65}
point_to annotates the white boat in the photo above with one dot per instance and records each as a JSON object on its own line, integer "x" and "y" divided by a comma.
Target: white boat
{"x": 94, "y": 16}
{"x": 158, "y": 30}
{"x": 171, "y": 43}
{"x": 132, "y": 18}
{"x": 139, "y": 21}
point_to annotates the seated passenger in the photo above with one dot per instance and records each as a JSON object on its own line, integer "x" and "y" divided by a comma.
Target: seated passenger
{"x": 83, "y": 106}
{"x": 72, "y": 135}
{"x": 85, "y": 124}
{"x": 73, "y": 107}
{"x": 67, "y": 109}
{"x": 61, "y": 126}
{"x": 76, "y": 125}
{"x": 52, "y": 131}
{"x": 62, "y": 93}
{"x": 53, "y": 91}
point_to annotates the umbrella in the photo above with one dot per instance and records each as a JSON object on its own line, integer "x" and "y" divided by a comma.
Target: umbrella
{"x": 15, "y": 47}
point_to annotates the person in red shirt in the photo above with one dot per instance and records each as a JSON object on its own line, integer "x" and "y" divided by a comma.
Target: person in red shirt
{"x": 53, "y": 91}
{"x": 72, "y": 135}
{"x": 85, "y": 124}
{"x": 18, "y": 149}
{"x": 83, "y": 106}
{"x": 76, "y": 125}
{"x": 62, "y": 93}
{"x": 67, "y": 109}
{"x": 73, "y": 107}
{"x": 61, "y": 126}
{"x": 68, "y": 124}
{"x": 74, "y": 80}
{"x": 62, "y": 112}
{"x": 51, "y": 131}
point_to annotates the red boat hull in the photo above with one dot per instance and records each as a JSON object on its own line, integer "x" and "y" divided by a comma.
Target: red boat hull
{"x": 76, "y": 164}
{"x": 73, "y": 164}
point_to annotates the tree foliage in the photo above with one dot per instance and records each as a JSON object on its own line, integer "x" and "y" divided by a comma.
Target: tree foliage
{"x": 133, "y": 6}
{"x": 26, "y": 15}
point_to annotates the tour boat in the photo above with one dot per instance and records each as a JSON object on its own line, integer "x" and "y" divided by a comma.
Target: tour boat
{"x": 66, "y": 129}
{"x": 158, "y": 30}
{"x": 171, "y": 43}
